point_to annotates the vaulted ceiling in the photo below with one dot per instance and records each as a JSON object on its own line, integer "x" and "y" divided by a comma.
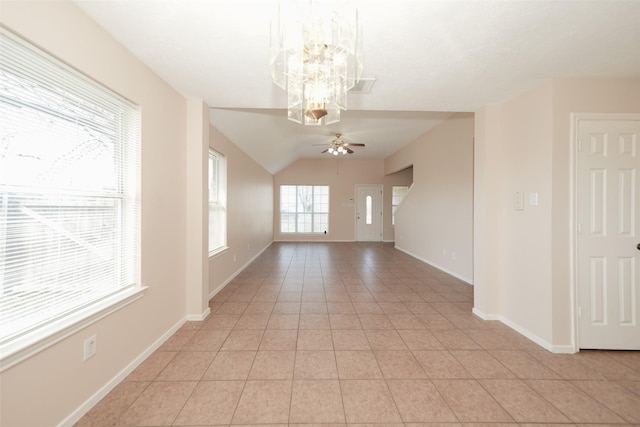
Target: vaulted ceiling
{"x": 428, "y": 58}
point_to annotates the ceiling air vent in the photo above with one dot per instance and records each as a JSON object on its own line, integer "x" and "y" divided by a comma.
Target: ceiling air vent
{"x": 364, "y": 85}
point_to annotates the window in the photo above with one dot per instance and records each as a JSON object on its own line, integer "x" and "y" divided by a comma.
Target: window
{"x": 304, "y": 208}
{"x": 217, "y": 203}
{"x": 368, "y": 209}
{"x": 397, "y": 195}
{"x": 69, "y": 198}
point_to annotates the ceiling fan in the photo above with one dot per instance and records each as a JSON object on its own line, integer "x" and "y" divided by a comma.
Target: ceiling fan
{"x": 339, "y": 146}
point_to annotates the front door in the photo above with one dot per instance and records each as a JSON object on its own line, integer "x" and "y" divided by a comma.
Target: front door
{"x": 369, "y": 213}
{"x": 608, "y": 220}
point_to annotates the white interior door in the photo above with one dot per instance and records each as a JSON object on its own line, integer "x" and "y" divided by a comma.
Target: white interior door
{"x": 369, "y": 213}
{"x": 608, "y": 217}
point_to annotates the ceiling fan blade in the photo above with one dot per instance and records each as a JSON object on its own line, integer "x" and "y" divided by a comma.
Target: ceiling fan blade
{"x": 355, "y": 145}
{"x": 324, "y": 151}
{"x": 349, "y": 150}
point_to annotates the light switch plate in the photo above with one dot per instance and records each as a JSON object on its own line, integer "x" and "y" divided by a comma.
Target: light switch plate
{"x": 518, "y": 201}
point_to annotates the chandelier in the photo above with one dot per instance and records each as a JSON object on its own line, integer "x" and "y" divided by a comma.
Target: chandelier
{"x": 316, "y": 56}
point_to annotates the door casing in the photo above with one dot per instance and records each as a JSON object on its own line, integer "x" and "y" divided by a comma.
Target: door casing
{"x": 576, "y": 118}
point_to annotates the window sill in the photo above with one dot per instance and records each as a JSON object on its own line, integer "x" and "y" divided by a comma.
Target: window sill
{"x": 322, "y": 233}
{"x": 217, "y": 252}
{"x": 31, "y": 343}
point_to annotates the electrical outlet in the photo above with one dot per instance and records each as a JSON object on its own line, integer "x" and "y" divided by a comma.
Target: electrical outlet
{"x": 90, "y": 347}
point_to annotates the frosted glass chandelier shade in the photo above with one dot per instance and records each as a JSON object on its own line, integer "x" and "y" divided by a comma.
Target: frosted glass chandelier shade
{"x": 316, "y": 56}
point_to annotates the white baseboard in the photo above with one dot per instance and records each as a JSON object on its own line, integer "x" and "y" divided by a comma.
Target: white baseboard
{"x": 332, "y": 241}
{"x": 238, "y": 271}
{"x": 481, "y": 314}
{"x": 452, "y": 273}
{"x": 75, "y": 416}
{"x": 315, "y": 241}
{"x": 564, "y": 349}
{"x": 526, "y": 333}
{"x": 199, "y": 317}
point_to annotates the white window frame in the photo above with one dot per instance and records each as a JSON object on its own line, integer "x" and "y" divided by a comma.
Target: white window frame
{"x": 217, "y": 203}
{"x": 296, "y": 209}
{"x": 33, "y": 74}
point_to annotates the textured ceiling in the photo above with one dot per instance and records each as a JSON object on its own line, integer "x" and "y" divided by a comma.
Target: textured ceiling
{"x": 429, "y": 58}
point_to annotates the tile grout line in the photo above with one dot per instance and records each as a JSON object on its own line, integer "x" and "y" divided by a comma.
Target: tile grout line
{"x": 244, "y": 385}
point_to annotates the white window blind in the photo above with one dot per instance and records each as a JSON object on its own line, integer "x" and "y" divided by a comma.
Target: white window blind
{"x": 304, "y": 209}
{"x": 69, "y": 191}
{"x": 217, "y": 202}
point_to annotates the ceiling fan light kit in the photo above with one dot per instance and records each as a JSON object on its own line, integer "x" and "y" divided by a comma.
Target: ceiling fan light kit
{"x": 316, "y": 56}
{"x": 336, "y": 151}
{"x": 338, "y": 146}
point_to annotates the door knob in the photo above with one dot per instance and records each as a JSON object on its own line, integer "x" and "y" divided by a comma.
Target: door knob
{"x": 638, "y": 246}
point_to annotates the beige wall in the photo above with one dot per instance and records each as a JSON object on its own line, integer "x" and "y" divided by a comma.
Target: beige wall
{"x": 48, "y": 387}
{"x": 437, "y": 216}
{"x": 520, "y": 285}
{"x": 249, "y": 209}
{"x": 197, "y": 207}
{"x": 342, "y": 175}
{"x": 487, "y": 215}
{"x": 522, "y": 264}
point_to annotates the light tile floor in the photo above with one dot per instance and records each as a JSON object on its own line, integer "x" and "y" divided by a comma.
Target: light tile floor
{"x": 357, "y": 333}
